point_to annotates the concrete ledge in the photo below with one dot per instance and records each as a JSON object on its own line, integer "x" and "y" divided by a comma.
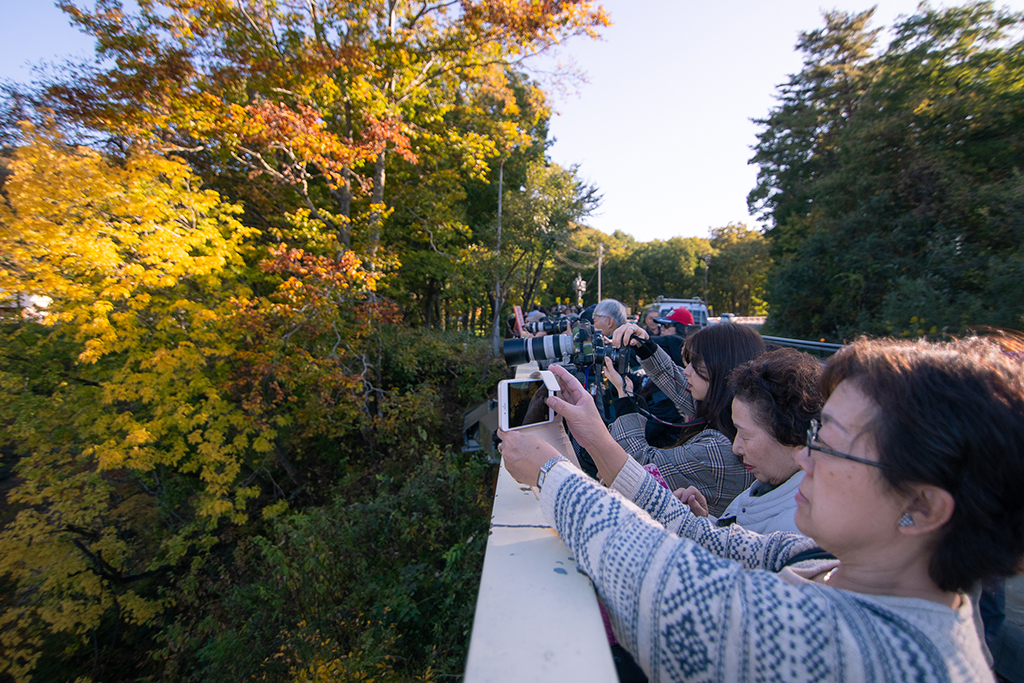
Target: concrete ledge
{"x": 536, "y": 616}
{"x": 537, "y": 619}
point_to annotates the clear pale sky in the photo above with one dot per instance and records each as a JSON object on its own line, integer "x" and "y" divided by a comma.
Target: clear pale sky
{"x": 663, "y": 125}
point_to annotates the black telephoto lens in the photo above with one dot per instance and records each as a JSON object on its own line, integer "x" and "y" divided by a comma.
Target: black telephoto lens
{"x": 553, "y": 326}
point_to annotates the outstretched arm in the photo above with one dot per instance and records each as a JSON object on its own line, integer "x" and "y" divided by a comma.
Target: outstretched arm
{"x": 682, "y": 611}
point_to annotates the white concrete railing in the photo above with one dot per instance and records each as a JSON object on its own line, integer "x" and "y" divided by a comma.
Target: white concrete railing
{"x": 537, "y": 618}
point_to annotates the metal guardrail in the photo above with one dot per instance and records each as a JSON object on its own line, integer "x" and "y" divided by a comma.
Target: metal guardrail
{"x": 822, "y": 348}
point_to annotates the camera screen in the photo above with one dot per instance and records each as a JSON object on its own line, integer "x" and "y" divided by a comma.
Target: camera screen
{"x": 526, "y": 403}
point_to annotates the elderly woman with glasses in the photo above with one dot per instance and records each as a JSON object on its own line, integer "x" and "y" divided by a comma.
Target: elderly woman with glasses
{"x": 912, "y": 481}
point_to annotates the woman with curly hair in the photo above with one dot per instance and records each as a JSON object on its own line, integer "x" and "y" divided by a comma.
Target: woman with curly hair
{"x": 775, "y": 397}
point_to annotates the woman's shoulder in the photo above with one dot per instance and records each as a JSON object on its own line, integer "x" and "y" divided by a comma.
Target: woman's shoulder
{"x": 924, "y": 639}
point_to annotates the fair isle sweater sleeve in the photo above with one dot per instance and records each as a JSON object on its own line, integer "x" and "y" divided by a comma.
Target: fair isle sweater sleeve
{"x": 689, "y": 615}
{"x": 752, "y": 550}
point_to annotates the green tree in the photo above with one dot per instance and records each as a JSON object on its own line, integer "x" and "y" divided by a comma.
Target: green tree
{"x": 798, "y": 144}
{"x": 443, "y": 225}
{"x": 672, "y": 268}
{"x": 916, "y": 215}
{"x": 579, "y": 257}
{"x": 739, "y": 270}
{"x": 934, "y": 163}
{"x": 540, "y": 218}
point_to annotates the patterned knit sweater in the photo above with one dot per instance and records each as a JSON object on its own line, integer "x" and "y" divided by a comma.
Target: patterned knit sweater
{"x": 713, "y": 608}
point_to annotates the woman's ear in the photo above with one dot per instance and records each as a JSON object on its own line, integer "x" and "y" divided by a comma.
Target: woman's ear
{"x": 930, "y": 507}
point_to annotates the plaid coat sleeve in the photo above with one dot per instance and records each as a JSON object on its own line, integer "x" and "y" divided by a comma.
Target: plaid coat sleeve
{"x": 705, "y": 461}
{"x": 670, "y": 379}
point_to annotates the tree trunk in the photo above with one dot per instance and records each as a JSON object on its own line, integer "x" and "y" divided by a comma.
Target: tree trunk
{"x": 429, "y": 305}
{"x": 495, "y": 321}
{"x": 343, "y": 195}
{"x": 343, "y": 198}
{"x": 528, "y": 295}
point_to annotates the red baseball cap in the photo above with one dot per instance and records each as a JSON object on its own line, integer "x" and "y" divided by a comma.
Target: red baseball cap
{"x": 679, "y": 316}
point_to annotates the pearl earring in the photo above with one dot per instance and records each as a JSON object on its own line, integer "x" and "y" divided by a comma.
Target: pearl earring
{"x": 906, "y": 520}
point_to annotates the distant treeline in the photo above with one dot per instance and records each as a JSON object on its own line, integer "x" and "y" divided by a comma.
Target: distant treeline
{"x": 729, "y": 269}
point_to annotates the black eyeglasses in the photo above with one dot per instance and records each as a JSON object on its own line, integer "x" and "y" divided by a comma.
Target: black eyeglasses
{"x": 812, "y": 436}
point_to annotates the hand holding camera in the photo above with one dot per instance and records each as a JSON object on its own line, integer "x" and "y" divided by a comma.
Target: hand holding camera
{"x": 623, "y": 384}
{"x": 523, "y": 403}
{"x": 629, "y": 334}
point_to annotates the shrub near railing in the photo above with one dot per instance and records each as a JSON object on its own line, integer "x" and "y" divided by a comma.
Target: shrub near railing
{"x": 380, "y": 581}
{"x": 383, "y": 587}
{"x": 371, "y": 569}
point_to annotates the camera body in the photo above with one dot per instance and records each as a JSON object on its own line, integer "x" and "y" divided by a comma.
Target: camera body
{"x": 580, "y": 346}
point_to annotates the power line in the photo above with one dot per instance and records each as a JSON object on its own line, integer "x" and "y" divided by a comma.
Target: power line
{"x": 581, "y": 251}
{"x": 569, "y": 262}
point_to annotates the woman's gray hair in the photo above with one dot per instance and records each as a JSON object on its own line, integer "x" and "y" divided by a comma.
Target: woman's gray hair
{"x": 610, "y": 308}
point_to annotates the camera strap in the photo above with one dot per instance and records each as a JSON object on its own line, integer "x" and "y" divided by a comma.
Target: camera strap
{"x": 651, "y": 416}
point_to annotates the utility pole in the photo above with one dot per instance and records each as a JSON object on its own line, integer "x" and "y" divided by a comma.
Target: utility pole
{"x": 496, "y": 326}
{"x": 600, "y": 256}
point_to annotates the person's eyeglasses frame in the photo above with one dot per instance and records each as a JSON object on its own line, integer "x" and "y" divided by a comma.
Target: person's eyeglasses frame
{"x": 812, "y": 436}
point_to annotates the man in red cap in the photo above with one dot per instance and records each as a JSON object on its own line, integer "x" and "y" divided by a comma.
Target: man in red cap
{"x": 679, "y": 316}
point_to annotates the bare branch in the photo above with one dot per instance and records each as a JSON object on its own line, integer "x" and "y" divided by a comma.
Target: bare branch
{"x": 430, "y": 233}
{"x": 427, "y": 9}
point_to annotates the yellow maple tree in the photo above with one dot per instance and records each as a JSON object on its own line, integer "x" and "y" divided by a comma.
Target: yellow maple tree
{"x": 114, "y": 392}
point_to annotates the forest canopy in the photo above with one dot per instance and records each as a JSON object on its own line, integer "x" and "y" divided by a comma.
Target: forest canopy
{"x": 891, "y": 179}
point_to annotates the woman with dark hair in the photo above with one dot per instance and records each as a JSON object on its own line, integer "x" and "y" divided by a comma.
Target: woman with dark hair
{"x": 702, "y": 457}
{"x": 775, "y": 397}
{"x": 913, "y": 481}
